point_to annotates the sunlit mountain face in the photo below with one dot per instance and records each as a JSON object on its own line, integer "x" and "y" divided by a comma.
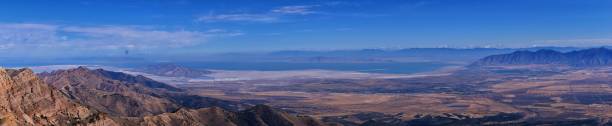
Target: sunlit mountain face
{"x": 306, "y": 62}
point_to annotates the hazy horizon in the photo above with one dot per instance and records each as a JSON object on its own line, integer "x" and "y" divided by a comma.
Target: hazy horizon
{"x": 96, "y": 28}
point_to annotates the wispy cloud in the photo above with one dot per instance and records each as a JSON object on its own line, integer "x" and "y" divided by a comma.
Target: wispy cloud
{"x": 238, "y": 17}
{"x": 273, "y": 15}
{"x": 130, "y": 37}
{"x": 302, "y": 10}
{"x": 29, "y": 26}
{"x": 223, "y": 33}
{"x": 12, "y": 35}
{"x": 101, "y": 37}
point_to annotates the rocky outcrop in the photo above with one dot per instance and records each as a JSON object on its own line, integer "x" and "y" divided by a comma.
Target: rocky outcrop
{"x": 27, "y": 100}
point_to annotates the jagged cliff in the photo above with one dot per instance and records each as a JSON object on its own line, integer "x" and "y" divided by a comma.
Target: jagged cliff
{"x": 26, "y": 100}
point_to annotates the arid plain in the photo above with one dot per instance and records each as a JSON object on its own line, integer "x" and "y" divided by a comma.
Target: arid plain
{"x": 538, "y": 92}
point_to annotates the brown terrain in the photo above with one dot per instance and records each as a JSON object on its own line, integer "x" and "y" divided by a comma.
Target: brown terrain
{"x": 513, "y": 95}
{"x": 97, "y": 97}
{"x": 27, "y": 100}
{"x": 214, "y": 116}
{"x": 116, "y": 97}
{"x": 539, "y": 94}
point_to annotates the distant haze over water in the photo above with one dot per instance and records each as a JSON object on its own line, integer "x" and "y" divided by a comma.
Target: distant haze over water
{"x": 393, "y": 68}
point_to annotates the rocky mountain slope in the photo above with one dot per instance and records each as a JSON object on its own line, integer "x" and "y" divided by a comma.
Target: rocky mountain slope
{"x": 125, "y": 95}
{"x": 256, "y": 116}
{"x": 136, "y": 100}
{"x": 27, "y": 100}
{"x": 580, "y": 58}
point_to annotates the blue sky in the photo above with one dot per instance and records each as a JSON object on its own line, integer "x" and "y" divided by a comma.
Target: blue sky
{"x": 103, "y": 27}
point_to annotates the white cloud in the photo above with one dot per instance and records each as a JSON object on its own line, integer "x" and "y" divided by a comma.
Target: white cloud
{"x": 12, "y": 35}
{"x": 101, "y": 37}
{"x": 6, "y": 45}
{"x": 302, "y": 10}
{"x": 239, "y": 17}
{"x": 223, "y": 33}
{"x": 129, "y": 37}
{"x": 274, "y": 15}
{"x": 29, "y": 26}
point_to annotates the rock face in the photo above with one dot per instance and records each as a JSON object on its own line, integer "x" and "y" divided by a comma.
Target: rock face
{"x": 125, "y": 95}
{"x": 83, "y": 97}
{"x": 26, "y": 100}
{"x": 581, "y": 58}
{"x": 173, "y": 70}
{"x": 118, "y": 98}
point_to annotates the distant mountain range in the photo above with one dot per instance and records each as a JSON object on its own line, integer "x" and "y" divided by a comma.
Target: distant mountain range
{"x": 580, "y": 58}
{"x": 440, "y": 55}
{"x": 174, "y": 70}
{"x": 446, "y": 55}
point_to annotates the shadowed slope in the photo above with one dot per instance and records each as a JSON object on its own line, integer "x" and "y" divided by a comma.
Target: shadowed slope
{"x": 260, "y": 115}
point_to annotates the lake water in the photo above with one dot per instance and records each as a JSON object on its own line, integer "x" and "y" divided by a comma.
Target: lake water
{"x": 395, "y": 68}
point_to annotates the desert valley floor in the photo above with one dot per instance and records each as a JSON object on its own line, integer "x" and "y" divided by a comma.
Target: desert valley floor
{"x": 525, "y": 93}
{"x": 538, "y": 92}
